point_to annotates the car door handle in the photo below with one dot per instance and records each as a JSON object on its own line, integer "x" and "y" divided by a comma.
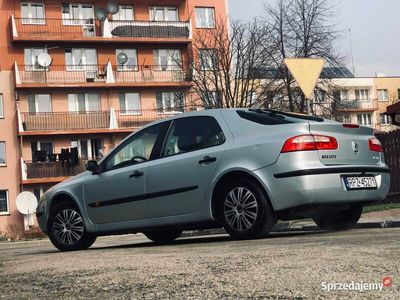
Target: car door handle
{"x": 136, "y": 174}
{"x": 207, "y": 159}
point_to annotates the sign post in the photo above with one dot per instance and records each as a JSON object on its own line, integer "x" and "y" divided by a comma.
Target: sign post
{"x": 306, "y": 72}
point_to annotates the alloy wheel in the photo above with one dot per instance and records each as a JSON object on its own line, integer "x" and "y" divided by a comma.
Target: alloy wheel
{"x": 68, "y": 226}
{"x": 240, "y": 209}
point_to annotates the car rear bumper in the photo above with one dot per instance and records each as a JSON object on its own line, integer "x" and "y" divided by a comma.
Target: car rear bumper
{"x": 321, "y": 185}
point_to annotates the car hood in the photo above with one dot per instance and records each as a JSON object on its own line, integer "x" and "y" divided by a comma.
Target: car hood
{"x": 78, "y": 179}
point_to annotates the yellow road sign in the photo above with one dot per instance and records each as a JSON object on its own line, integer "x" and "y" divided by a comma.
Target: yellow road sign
{"x": 306, "y": 72}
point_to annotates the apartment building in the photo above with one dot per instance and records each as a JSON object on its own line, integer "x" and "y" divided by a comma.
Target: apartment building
{"x": 364, "y": 101}
{"x": 74, "y": 85}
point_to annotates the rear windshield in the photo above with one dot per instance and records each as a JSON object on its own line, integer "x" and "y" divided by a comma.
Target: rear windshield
{"x": 263, "y": 118}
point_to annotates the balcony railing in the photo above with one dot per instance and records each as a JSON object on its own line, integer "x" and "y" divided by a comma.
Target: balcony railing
{"x": 355, "y": 105}
{"x": 35, "y": 170}
{"x": 92, "y": 74}
{"x": 150, "y": 29}
{"x": 138, "y": 118}
{"x": 31, "y": 27}
{"x": 64, "y": 29}
{"x": 65, "y": 121}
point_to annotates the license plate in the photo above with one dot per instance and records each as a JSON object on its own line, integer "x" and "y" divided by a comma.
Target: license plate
{"x": 360, "y": 182}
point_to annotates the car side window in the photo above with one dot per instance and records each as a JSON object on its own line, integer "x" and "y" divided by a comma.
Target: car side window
{"x": 137, "y": 149}
{"x": 192, "y": 133}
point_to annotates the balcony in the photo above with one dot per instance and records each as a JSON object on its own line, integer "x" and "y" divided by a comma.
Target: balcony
{"x": 92, "y": 30}
{"x": 52, "y": 172}
{"x": 355, "y": 105}
{"x": 100, "y": 76}
{"x": 57, "y": 123}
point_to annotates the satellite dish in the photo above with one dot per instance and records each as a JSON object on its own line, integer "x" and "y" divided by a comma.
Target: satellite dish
{"x": 112, "y": 7}
{"x": 101, "y": 13}
{"x": 26, "y": 203}
{"x": 44, "y": 60}
{"x": 122, "y": 58}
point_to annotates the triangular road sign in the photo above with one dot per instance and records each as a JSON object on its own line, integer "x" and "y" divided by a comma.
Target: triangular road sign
{"x": 306, "y": 72}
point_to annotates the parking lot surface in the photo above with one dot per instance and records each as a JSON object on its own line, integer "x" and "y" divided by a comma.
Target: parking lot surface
{"x": 283, "y": 266}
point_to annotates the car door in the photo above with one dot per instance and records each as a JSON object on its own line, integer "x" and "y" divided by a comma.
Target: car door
{"x": 117, "y": 194}
{"x": 176, "y": 183}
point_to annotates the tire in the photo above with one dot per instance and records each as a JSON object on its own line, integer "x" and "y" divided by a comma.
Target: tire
{"x": 64, "y": 236}
{"x": 340, "y": 219}
{"x": 163, "y": 236}
{"x": 248, "y": 218}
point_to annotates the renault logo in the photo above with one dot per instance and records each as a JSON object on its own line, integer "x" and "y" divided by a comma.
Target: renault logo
{"x": 355, "y": 147}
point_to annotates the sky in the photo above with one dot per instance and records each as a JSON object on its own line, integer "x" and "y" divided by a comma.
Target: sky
{"x": 375, "y": 32}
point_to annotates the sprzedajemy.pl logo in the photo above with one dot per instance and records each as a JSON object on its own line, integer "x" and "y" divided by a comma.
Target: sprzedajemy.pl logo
{"x": 357, "y": 286}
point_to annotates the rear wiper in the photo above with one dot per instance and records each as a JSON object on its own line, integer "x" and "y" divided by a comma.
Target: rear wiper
{"x": 292, "y": 115}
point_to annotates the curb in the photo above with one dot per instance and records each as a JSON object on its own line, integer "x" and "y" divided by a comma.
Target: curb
{"x": 286, "y": 227}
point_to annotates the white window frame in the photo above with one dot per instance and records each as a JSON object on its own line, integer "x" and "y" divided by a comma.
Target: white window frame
{"x": 5, "y": 155}
{"x": 171, "y": 64}
{"x": 365, "y": 121}
{"x": 207, "y": 62}
{"x": 30, "y": 19}
{"x": 71, "y": 20}
{"x": 209, "y": 23}
{"x": 6, "y": 213}
{"x": 165, "y": 9}
{"x": 163, "y": 110}
{"x": 128, "y": 112}
{"x": 1, "y": 107}
{"x": 383, "y": 94}
{"x": 364, "y": 93}
{"x": 386, "y": 118}
{"x": 74, "y": 106}
{"x": 75, "y": 66}
{"x": 123, "y": 17}
{"x": 33, "y": 64}
{"x": 37, "y": 110}
{"x": 126, "y": 67}
{"x": 344, "y": 95}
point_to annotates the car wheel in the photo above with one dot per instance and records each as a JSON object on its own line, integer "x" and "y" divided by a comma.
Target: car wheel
{"x": 245, "y": 210}
{"x": 340, "y": 219}
{"x": 163, "y": 236}
{"x": 67, "y": 230}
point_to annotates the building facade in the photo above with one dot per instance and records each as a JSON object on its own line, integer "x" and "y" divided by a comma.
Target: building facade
{"x": 73, "y": 85}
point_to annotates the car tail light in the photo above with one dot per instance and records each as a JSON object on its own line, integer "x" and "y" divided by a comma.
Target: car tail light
{"x": 309, "y": 142}
{"x": 351, "y": 126}
{"x": 375, "y": 145}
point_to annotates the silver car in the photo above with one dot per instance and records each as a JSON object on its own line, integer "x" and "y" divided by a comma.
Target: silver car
{"x": 241, "y": 169}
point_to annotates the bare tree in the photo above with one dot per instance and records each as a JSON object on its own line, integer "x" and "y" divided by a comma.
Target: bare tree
{"x": 300, "y": 29}
{"x": 227, "y": 62}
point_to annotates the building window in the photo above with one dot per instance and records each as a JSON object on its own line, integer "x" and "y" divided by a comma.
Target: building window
{"x": 126, "y": 60}
{"x": 84, "y": 102}
{"x": 164, "y": 13}
{"x": 364, "y": 119}
{"x": 1, "y": 107}
{"x": 77, "y": 14}
{"x": 383, "y": 95}
{"x": 31, "y": 58}
{"x": 78, "y": 59}
{"x": 362, "y": 95}
{"x": 212, "y": 99}
{"x": 340, "y": 95}
{"x": 167, "y": 59}
{"x": 169, "y": 102}
{"x": 4, "y": 202}
{"x": 39, "y": 103}
{"x": 33, "y": 13}
{"x": 205, "y": 17}
{"x": 208, "y": 59}
{"x": 41, "y": 150}
{"x": 129, "y": 103}
{"x": 3, "y": 161}
{"x": 320, "y": 96}
{"x": 385, "y": 119}
{"x": 125, "y": 13}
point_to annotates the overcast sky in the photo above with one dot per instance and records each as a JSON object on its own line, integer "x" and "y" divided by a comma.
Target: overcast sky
{"x": 375, "y": 26}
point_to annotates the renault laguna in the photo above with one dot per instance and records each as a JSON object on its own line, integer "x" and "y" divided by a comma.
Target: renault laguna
{"x": 241, "y": 169}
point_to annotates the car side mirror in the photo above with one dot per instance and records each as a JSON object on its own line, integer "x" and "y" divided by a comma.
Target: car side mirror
{"x": 93, "y": 167}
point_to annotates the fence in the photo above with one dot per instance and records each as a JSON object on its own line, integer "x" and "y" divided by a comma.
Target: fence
{"x": 391, "y": 147}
